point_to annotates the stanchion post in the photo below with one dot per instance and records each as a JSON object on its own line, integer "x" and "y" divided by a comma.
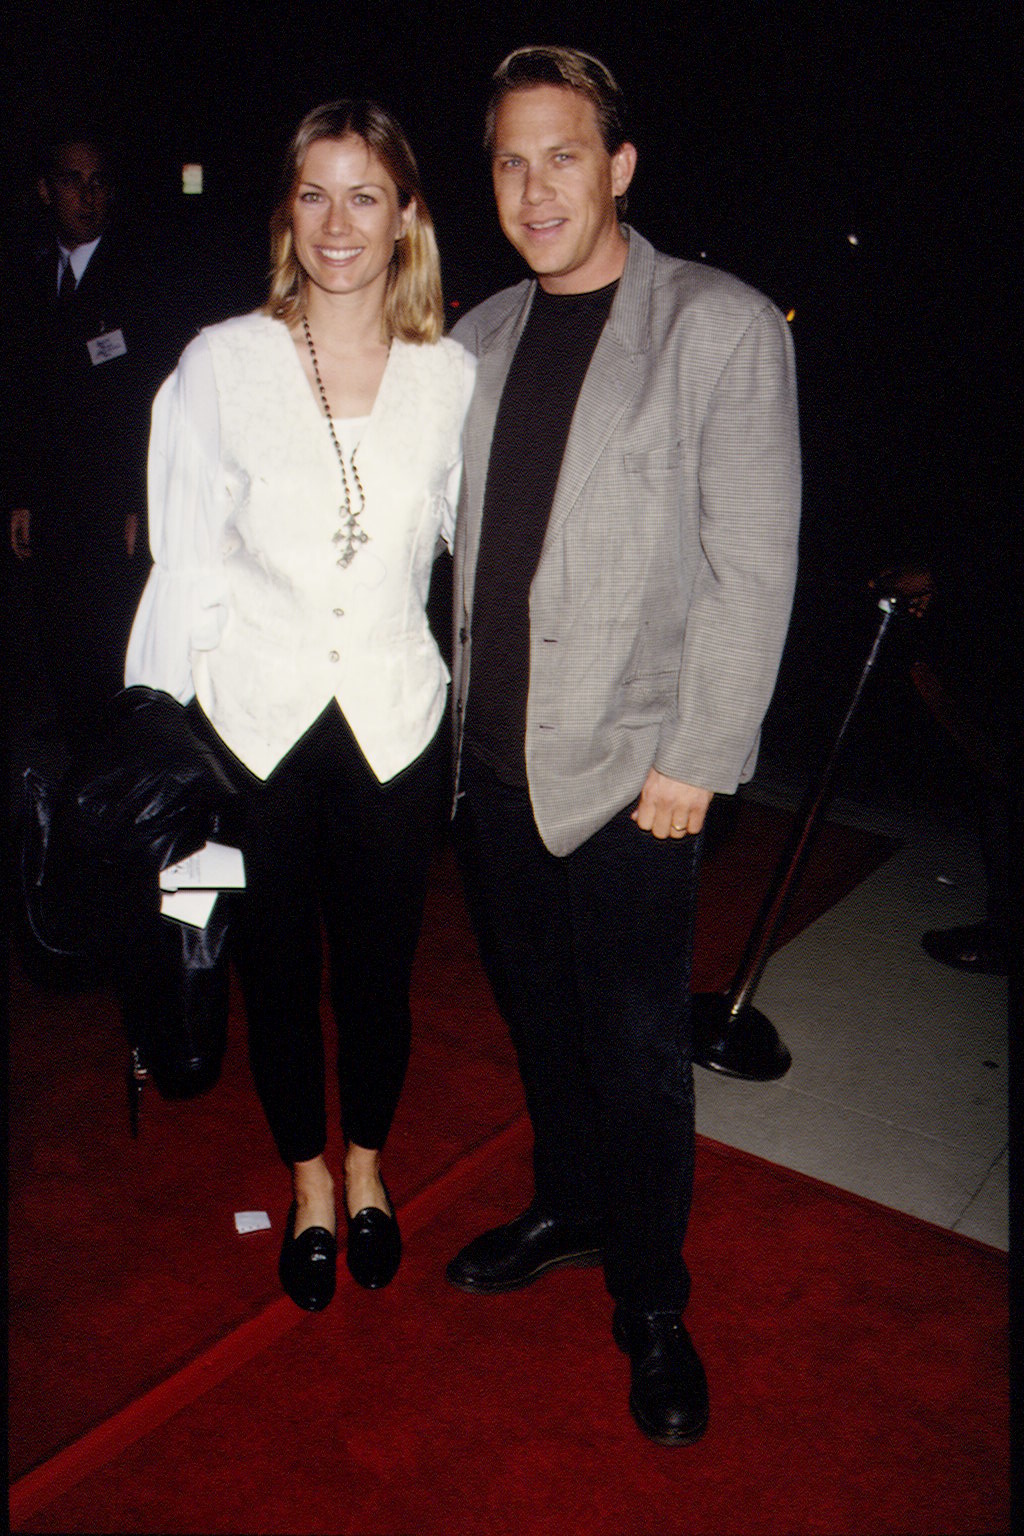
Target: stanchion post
{"x": 731, "y": 1036}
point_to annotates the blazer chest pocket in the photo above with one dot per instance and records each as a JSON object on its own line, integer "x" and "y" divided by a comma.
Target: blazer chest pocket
{"x": 654, "y": 462}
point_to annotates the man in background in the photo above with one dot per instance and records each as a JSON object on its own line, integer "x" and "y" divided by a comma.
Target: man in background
{"x": 86, "y": 355}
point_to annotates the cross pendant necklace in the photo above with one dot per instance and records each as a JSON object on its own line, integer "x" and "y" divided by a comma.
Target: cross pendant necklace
{"x": 351, "y": 534}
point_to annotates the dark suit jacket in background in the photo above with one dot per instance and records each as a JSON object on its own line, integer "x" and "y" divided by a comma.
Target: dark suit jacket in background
{"x": 77, "y": 436}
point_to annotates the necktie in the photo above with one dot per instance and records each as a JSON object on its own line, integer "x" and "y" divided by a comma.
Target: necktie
{"x": 66, "y": 286}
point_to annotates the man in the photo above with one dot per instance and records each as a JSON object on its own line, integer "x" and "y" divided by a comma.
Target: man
{"x": 84, "y": 364}
{"x": 625, "y": 561}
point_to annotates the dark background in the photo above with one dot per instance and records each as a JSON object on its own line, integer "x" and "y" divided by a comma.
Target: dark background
{"x": 768, "y": 135}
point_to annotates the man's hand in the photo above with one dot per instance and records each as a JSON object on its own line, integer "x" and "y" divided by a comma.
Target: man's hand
{"x": 668, "y": 808}
{"x": 21, "y": 532}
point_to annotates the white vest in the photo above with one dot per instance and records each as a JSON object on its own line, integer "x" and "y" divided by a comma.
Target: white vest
{"x": 299, "y": 629}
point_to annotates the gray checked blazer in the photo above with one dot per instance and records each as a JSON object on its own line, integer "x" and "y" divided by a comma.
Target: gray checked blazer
{"x": 660, "y": 604}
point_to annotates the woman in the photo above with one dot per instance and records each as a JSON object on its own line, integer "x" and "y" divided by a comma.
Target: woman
{"x": 303, "y": 466}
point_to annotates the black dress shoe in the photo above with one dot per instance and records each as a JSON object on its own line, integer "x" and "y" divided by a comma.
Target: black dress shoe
{"x": 668, "y": 1395}
{"x": 374, "y": 1246}
{"x": 509, "y": 1257}
{"x": 308, "y": 1265}
{"x": 978, "y": 947}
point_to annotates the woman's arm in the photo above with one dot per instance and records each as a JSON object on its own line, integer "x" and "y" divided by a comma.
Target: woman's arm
{"x": 454, "y": 480}
{"x": 182, "y": 607}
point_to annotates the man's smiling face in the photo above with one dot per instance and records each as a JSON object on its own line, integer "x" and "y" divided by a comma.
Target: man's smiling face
{"x": 555, "y": 185}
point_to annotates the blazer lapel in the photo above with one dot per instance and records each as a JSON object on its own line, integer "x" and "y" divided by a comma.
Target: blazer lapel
{"x": 615, "y": 374}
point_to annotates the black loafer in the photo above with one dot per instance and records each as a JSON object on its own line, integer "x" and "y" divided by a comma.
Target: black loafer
{"x": 308, "y": 1265}
{"x": 509, "y": 1257}
{"x": 374, "y": 1249}
{"x": 668, "y": 1395}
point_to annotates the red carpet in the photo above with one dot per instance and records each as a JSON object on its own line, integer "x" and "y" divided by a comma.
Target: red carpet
{"x": 158, "y": 1382}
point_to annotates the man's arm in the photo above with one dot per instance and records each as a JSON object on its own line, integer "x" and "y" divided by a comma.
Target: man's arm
{"x": 749, "y": 520}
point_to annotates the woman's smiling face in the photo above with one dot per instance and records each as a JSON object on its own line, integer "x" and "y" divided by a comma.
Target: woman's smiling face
{"x": 346, "y": 217}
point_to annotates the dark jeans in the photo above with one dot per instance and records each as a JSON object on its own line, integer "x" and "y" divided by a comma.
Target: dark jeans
{"x": 321, "y": 834}
{"x": 589, "y": 958}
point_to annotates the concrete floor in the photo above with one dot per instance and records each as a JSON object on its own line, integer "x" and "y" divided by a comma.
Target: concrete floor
{"x": 899, "y": 1085}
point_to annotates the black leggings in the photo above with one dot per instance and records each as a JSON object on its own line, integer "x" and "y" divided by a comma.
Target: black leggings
{"x": 322, "y": 837}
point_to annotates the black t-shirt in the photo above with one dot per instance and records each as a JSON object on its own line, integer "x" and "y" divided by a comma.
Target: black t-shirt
{"x": 530, "y": 434}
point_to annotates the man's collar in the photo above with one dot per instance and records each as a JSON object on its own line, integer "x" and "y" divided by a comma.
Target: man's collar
{"x": 630, "y": 318}
{"x": 79, "y": 258}
{"x": 629, "y": 321}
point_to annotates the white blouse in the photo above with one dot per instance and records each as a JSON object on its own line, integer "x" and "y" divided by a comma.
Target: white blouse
{"x": 246, "y": 607}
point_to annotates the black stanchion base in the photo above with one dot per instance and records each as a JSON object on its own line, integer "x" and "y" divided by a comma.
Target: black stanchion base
{"x": 745, "y": 1045}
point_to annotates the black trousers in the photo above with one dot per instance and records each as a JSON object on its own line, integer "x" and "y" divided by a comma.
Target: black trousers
{"x": 589, "y": 958}
{"x": 321, "y": 836}
{"x": 85, "y": 592}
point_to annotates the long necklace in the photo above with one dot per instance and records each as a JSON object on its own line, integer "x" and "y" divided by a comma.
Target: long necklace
{"x": 350, "y": 535}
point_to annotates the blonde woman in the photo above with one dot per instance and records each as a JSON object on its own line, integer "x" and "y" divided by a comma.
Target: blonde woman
{"x": 304, "y": 467}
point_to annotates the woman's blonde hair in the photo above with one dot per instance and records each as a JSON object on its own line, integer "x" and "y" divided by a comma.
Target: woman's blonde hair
{"x": 413, "y": 306}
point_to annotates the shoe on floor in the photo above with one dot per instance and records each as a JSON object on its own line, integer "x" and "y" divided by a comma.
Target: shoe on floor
{"x": 509, "y": 1257}
{"x": 668, "y": 1394}
{"x": 308, "y": 1265}
{"x": 374, "y": 1249}
{"x": 978, "y": 947}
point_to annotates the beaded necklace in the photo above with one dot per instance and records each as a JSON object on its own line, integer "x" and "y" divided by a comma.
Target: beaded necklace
{"x": 350, "y": 535}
